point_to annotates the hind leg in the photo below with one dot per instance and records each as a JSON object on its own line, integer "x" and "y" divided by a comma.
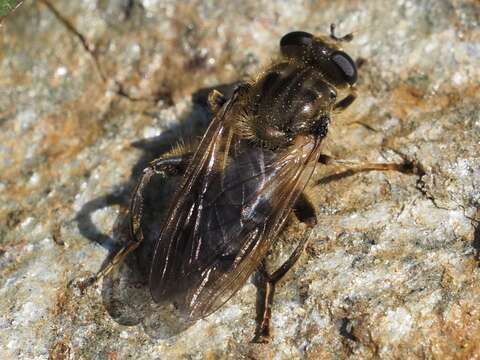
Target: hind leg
{"x": 305, "y": 212}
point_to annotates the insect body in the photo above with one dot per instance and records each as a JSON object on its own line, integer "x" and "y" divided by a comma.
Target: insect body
{"x": 244, "y": 179}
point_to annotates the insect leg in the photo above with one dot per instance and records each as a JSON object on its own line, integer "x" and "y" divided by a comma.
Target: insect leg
{"x": 345, "y": 38}
{"x": 354, "y": 167}
{"x": 165, "y": 167}
{"x": 265, "y": 292}
{"x": 345, "y": 102}
{"x": 216, "y": 100}
{"x": 305, "y": 212}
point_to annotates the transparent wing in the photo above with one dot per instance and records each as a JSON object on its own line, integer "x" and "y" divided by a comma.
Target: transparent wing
{"x": 227, "y": 212}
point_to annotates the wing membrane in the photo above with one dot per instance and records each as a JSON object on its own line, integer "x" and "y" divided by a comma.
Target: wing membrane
{"x": 229, "y": 208}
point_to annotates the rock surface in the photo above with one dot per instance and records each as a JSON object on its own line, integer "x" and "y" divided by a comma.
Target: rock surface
{"x": 93, "y": 90}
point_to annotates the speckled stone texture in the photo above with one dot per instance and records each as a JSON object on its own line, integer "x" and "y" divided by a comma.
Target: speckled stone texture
{"x": 90, "y": 91}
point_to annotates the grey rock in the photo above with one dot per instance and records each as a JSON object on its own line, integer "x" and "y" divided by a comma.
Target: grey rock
{"x": 93, "y": 90}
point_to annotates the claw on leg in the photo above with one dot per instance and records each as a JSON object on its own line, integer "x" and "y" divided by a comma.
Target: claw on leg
{"x": 264, "y": 311}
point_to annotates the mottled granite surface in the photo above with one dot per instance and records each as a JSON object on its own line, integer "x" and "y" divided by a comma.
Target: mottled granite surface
{"x": 90, "y": 91}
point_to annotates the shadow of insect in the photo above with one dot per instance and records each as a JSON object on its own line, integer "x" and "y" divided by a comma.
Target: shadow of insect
{"x": 125, "y": 292}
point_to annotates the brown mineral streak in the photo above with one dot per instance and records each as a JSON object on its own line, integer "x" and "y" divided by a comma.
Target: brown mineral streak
{"x": 406, "y": 100}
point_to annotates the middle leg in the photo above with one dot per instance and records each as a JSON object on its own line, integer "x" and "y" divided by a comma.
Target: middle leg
{"x": 163, "y": 167}
{"x": 354, "y": 167}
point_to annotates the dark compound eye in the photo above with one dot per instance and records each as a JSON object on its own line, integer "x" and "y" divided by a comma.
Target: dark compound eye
{"x": 296, "y": 38}
{"x": 346, "y": 66}
{"x": 292, "y": 43}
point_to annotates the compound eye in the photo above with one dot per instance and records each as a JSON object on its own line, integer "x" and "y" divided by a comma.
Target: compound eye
{"x": 293, "y": 43}
{"x": 346, "y": 66}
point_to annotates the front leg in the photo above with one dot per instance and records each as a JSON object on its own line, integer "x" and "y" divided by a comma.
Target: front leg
{"x": 216, "y": 100}
{"x": 345, "y": 102}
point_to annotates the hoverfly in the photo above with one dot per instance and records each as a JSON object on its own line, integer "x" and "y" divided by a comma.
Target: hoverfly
{"x": 244, "y": 179}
